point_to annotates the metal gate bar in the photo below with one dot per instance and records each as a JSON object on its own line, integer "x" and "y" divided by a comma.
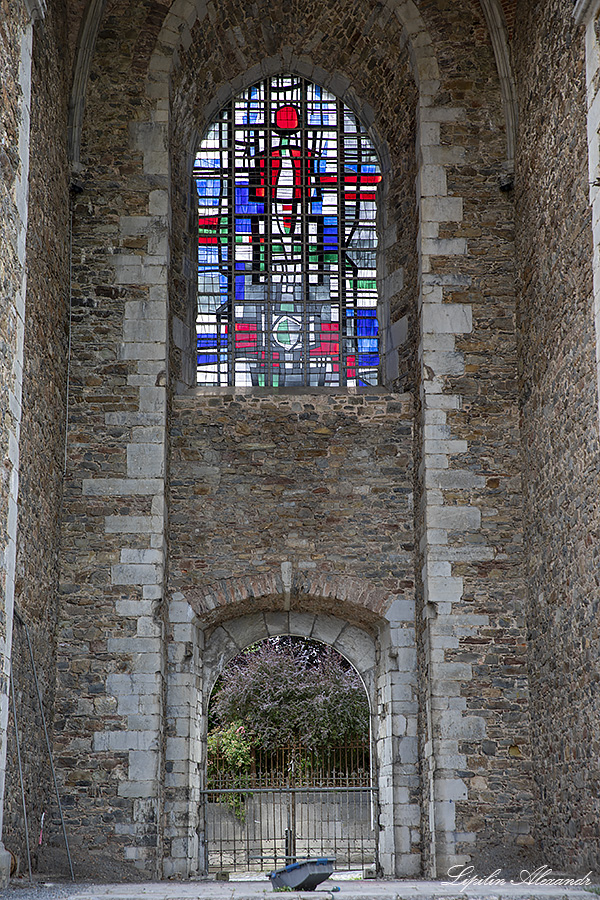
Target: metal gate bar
{"x": 263, "y": 828}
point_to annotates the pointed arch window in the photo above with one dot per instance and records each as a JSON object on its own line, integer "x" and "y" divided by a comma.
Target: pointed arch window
{"x": 287, "y": 183}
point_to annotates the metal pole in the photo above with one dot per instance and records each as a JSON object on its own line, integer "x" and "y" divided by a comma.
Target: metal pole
{"x": 39, "y": 696}
{"x": 14, "y": 703}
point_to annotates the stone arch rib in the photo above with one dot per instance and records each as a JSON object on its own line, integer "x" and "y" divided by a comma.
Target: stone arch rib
{"x": 498, "y": 29}
{"x": 234, "y": 635}
{"x": 83, "y": 61}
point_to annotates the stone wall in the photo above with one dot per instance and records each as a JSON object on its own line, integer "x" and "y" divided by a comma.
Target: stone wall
{"x": 108, "y": 723}
{"x": 320, "y": 481}
{"x": 13, "y": 223}
{"x": 475, "y": 725}
{"x": 292, "y": 513}
{"x": 559, "y": 421}
{"x": 230, "y": 50}
{"x": 420, "y": 77}
{"x": 303, "y": 500}
{"x": 42, "y": 433}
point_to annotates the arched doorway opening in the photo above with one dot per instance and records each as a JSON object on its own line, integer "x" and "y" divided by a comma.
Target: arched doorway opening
{"x": 289, "y": 771}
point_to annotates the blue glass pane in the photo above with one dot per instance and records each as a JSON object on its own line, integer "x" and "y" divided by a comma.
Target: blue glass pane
{"x": 243, "y": 204}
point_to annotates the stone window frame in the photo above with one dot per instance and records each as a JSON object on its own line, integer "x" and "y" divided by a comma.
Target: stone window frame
{"x": 391, "y": 336}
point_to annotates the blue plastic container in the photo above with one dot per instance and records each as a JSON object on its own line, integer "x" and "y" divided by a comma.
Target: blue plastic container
{"x": 303, "y": 876}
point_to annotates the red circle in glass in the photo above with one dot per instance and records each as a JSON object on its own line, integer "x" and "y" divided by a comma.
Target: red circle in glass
{"x": 286, "y": 118}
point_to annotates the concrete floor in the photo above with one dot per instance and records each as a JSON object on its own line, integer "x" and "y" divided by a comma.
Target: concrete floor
{"x": 253, "y": 890}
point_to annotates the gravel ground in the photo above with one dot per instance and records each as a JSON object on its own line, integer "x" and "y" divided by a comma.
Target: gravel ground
{"x": 22, "y": 889}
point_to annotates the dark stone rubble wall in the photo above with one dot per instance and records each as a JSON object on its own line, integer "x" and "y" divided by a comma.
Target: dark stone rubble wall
{"x": 323, "y": 480}
{"x": 42, "y": 438}
{"x": 559, "y": 422}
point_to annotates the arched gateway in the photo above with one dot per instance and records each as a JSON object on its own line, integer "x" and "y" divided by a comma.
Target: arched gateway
{"x": 289, "y": 772}
{"x": 393, "y": 725}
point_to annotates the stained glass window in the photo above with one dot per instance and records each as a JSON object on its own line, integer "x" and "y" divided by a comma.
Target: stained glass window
{"x": 287, "y": 182}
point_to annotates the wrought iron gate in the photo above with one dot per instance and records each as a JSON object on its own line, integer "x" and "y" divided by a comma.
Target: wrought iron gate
{"x": 291, "y": 806}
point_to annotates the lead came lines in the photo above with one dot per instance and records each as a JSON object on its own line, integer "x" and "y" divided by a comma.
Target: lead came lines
{"x": 292, "y": 209}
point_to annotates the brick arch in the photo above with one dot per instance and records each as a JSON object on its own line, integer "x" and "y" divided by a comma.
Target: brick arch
{"x": 354, "y": 599}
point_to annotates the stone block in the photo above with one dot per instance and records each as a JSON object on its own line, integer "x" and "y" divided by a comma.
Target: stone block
{"x": 143, "y": 351}
{"x": 180, "y": 611}
{"x": 454, "y": 725}
{"x": 133, "y": 524}
{"x": 143, "y": 790}
{"x": 454, "y": 518}
{"x": 145, "y": 460}
{"x": 453, "y": 789}
{"x": 148, "y": 330}
{"x": 143, "y": 765}
{"x": 401, "y": 610}
{"x": 184, "y": 633}
{"x": 134, "y": 645}
{"x": 120, "y": 487}
{"x": 356, "y": 645}
{"x": 247, "y": 630}
{"x": 443, "y": 589}
{"x": 158, "y": 203}
{"x": 129, "y": 555}
{"x": 406, "y": 659}
{"x": 442, "y": 209}
{"x": 128, "y": 704}
{"x": 408, "y": 751}
{"x": 147, "y": 626}
{"x": 125, "y": 740}
{"x": 277, "y": 623}
{"x": 301, "y": 624}
{"x": 327, "y": 629}
{"x": 153, "y": 400}
{"x": 444, "y": 246}
{"x": 431, "y": 181}
{"x": 444, "y": 362}
{"x": 451, "y": 318}
{"x": 135, "y": 574}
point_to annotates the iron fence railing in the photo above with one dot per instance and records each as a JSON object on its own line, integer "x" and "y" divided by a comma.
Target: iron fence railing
{"x": 291, "y": 803}
{"x": 261, "y": 829}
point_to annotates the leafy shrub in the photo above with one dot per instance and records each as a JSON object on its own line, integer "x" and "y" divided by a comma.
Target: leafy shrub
{"x": 286, "y": 691}
{"x": 230, "y": 752}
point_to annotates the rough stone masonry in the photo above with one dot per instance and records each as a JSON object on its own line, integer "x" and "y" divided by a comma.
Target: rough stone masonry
{"x": 440, "y": 530}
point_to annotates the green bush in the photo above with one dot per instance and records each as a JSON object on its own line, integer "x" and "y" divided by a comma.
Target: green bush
{"x": 285, "y": 691}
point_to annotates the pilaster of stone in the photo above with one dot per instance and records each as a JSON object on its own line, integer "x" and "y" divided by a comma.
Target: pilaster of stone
{"x": 185, "y": 744}
{"x": 139, "y": 687}
{"x": 16, "y": 316}
{"x": 442, "y": 321}
{"x": 399, "y": 850}
{"x": 587, "y": 13}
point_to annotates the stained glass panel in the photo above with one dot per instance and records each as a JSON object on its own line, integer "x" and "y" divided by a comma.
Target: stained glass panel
{"x": 287, "y": 295}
